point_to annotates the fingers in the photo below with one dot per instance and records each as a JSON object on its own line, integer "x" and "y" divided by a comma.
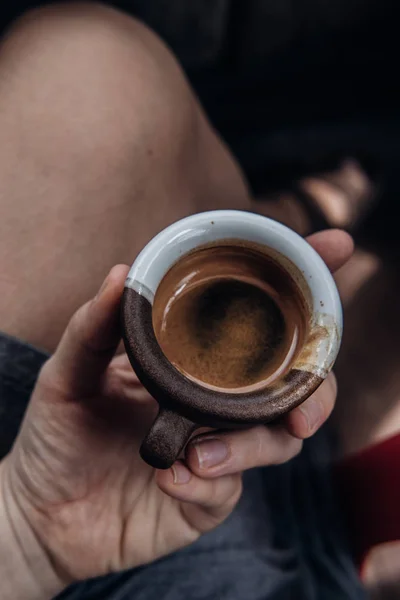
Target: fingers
{"x": 334, "y": 246}
{"x": 208, "y": 501}
{"x": 224, "y": 453}
{"x": 90, "y": 340}
{"x": 303, "y": 421}
{"x": 124, "y": 386}
{"x": 121, "y": 362}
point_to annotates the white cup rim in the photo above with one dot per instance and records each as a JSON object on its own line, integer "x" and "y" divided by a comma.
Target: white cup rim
{"x": 200, "y": 229}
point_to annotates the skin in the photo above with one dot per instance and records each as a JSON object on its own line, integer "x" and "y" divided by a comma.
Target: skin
{"x": 75, "y": 479}
{"x": 93, "y": 186}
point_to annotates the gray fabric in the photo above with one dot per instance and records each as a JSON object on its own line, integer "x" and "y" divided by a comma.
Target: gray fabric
{"x": 19, "y": 367}
{"x": 284, "y": 540}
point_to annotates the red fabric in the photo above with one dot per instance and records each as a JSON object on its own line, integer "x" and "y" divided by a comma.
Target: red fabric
{"x": 369, "y": 487}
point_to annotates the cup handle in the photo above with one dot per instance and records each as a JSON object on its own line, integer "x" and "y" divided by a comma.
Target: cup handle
{"x": 166, "y": 439}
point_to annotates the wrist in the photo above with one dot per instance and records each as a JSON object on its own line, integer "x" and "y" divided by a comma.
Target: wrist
{"x": 26, "y": 572}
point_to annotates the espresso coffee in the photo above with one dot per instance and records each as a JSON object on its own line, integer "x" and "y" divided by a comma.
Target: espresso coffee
{"x": 229, "y": 317}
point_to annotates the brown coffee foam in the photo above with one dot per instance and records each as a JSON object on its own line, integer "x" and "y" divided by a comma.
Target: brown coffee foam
{"x": 235, "y": 322}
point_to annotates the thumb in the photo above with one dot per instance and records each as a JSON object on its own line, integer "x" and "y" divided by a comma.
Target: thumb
{"x": 90, "y": 339}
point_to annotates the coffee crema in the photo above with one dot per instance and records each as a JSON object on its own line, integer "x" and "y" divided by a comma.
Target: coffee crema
{"x": 229, "y": 317}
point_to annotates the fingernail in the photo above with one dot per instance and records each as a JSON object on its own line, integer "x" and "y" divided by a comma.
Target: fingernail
{"x": 313, "y": 412}
{"x": 211, "y": 453}
{"x": 181, "y": 473}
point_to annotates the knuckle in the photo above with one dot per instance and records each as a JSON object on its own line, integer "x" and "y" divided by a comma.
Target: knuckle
{"x": 45, "y": 380}
{"x": 326, "y": 394}
{"x": 327, "y": 398}
{"x": 289, "y": 448}
{"x": 74, "y": 327}
{"x": 247, "y": 449}
{"x": 236, "y": 492}
{"x": 259, "y": 450}
{"x": 50, "y": 383}
{"x": 214, "y": 494}
{"x": 294, "y": 449}
{"x": 331, "y": 398}
{"x": 231, "y": 493}
{"x": 261, "y": 447}
{"x": 333, "y": 383}
{"x": 276, "y": 447}
{"x": 79, "y": 330}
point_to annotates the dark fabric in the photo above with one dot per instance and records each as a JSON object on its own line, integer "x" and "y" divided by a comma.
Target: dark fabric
{"x": 246, "y": 33}
{"x": 284, "y": 541}
{"x": 19, "y": 367}
{"x": 292, "y": 85}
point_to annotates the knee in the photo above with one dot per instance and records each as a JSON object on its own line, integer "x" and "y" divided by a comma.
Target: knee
{"x": 92, "y": 78}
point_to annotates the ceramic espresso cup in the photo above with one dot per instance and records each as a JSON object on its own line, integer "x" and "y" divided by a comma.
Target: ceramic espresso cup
{"x": 229, "y": 319}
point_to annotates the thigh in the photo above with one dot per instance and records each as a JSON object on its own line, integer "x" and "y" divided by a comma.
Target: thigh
{"x": 103, "y": 144}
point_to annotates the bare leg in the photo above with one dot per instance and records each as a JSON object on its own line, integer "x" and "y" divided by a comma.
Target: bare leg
{"x": 103, "y": 144}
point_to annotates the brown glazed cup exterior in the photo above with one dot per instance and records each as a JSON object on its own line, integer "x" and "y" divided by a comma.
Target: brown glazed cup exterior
{"x": 186, "y": 405}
